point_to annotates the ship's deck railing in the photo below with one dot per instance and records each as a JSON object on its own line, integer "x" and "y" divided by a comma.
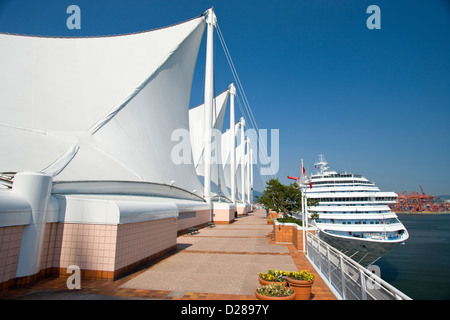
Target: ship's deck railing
{"x": 345, "y": 277}
{"x": 390, "y": 236}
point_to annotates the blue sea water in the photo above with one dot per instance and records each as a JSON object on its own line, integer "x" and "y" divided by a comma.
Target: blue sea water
{"x": 421, "y": 267}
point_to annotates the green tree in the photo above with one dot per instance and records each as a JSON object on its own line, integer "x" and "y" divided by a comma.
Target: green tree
{"x": 281, "y": 198}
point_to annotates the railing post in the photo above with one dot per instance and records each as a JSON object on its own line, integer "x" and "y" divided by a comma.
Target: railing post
{"x": 306, "y": 246}
{"x": 363, "y": 285}
{"x": 314, "y": 250}
{"x": 320, "y": 256}
{"x": 313, "y": 245}
{"x": 367, "y": 279}
{"x": 329, "y": 263}
{"x": 342, "y": 277}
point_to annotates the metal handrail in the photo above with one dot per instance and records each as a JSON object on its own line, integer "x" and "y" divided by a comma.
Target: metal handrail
{"x": 347, "y": 278}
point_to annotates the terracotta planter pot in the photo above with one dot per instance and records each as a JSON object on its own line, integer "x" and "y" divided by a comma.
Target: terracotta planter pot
{"x": 263, "y": 297}
{"x": 302, "y": 288}
{"x": 265, "y": 282}
{"x": 273, "y": 215}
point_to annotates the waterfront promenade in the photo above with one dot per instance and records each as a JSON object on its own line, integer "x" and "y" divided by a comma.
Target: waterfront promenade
{"x": 219, "y": 263}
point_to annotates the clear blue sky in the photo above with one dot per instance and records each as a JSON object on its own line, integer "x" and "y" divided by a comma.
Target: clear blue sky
{"x": 375, "y": 102}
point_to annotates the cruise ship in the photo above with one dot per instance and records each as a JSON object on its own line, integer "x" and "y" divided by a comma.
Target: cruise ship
{"x": 353, "y": 214}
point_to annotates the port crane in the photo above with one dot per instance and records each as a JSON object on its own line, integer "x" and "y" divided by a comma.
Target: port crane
{"x": 419, "y": 202}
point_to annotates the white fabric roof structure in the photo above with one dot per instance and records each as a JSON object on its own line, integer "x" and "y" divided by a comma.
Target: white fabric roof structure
{"x": 226, "y": 156}
{"x": 99, "y": 109}
{"x": 196, "y": 125}
{"x": 240, "y": 151}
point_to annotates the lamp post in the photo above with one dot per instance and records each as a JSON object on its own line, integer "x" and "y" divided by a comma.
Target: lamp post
{"x": 304, "y": 181}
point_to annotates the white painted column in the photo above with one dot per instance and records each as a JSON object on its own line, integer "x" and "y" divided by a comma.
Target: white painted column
{"x": 242, "y": 125}
{"x": 302, "y": 184}
{"x": 247, "y": 160}
{"x": 303, "y": 219}
{"x": 36, "y": 189}
{"x": 232, "y": 146}
{"x": 251, "y": 175}
{"x": 209, "y": 97}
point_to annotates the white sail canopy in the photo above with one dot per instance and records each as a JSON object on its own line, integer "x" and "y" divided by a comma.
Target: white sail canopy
{"x": 240, "y": 152}
{"x": 99, "y": 108}
{"x": 196, "y": 124}
{"x": 226, "y": 155}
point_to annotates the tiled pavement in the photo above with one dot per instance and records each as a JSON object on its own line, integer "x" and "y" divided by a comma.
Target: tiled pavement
{"x": 220, "y": 263}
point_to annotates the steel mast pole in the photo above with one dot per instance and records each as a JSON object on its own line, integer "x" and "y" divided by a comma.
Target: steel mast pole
{"x": 242, "y": 124}
{"x": 251, "y": 176}
{"x": 232, "y": 90}
{"x": 209, "y": 97}
{"x": 247, "y": 156}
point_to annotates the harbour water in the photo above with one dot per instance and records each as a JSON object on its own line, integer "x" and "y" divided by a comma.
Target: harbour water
{"x": 420, "y": 268}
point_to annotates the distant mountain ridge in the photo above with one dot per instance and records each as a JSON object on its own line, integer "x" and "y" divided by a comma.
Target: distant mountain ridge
{"x": 256, "y": 194}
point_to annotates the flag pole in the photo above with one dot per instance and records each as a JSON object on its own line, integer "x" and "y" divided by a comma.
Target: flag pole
{"x": 303, "y": 208}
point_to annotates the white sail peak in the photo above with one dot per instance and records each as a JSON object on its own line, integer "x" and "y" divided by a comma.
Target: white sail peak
{"x": 210, "y": 17}
{"x": 232, "y": 89}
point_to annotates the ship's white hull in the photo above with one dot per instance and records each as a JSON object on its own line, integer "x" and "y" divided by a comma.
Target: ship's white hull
{"x": 363, "y": 251}
{"x": 352, "y": 214}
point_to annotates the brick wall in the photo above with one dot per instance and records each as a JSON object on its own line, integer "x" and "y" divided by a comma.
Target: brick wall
{"x": 103, "y": 252}
{"x": 288, "y": 233}
{"x": 198, "y": 218}
{"x": 107, "y": 252}
{"x": 137, "y": 241}
{"x": 10, "y": 240}
{"x": 223, "y": 216}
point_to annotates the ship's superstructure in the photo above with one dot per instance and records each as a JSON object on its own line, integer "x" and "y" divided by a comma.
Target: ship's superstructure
{"x": 353, "y": 214}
